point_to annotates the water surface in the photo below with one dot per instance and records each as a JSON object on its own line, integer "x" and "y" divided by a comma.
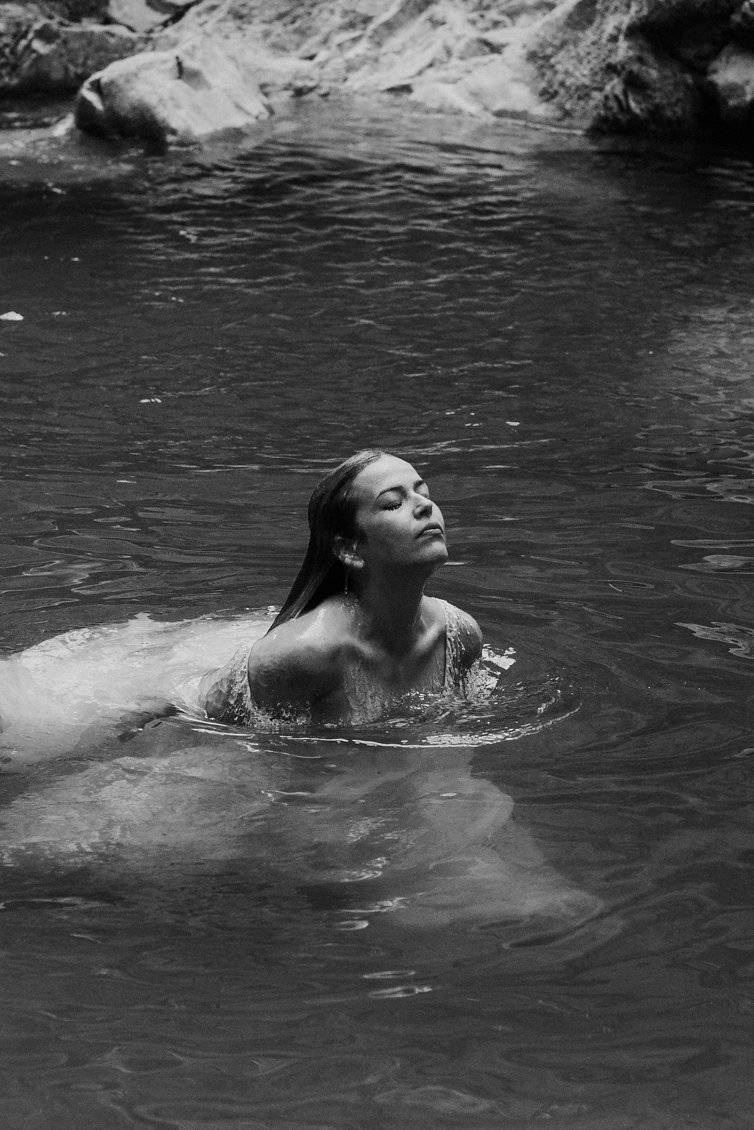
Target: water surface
{"x": 202, "y": 927}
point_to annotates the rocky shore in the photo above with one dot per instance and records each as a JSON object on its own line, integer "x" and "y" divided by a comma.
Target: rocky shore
{"x": 179, "y": 70}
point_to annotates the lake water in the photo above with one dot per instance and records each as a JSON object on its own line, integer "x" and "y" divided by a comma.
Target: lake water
{"x": 538, "y": 911}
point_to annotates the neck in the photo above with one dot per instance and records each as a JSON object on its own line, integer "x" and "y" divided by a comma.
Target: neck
{"x": 390, "y": 610}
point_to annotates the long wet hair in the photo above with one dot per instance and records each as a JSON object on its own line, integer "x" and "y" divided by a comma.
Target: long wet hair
{"x": 331, "y": 514}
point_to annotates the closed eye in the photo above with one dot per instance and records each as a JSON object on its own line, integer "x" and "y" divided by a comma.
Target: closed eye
{"x": 393, "y": 497}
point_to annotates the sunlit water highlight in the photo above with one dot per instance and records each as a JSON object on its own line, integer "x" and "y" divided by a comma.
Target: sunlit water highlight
{"x": 536, "y": 908}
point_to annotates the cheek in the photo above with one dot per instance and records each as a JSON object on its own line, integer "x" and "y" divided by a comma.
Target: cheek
{"x": 382, "y": 531}
{"x": 359, "y": 526}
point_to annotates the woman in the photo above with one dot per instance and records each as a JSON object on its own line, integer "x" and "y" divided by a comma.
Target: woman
{"x": 356, "y": 633}
{"x": 424, "y": 837}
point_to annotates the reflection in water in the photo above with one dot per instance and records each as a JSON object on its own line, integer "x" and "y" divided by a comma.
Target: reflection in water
{"x": 396, "y": 812}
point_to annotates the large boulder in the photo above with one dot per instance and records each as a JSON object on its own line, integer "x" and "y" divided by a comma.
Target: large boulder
{"x": 43, "y": 53}
{"x": 180, "y": 96}
{"x": 632, "y": 65}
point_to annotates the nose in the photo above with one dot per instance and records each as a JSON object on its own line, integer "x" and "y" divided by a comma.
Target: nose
{"x": 422, "y": 506}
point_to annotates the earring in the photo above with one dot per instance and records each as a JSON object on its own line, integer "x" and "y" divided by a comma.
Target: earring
{"x": 345, "y": 583}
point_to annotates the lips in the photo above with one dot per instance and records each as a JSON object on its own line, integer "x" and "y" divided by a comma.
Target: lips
{"x": 431, "y": 528}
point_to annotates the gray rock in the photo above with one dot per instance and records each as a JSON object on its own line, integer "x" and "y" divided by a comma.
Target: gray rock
{"x": 146, "y": 16}
{"x": 691, "y": 31}
{"x": 644, "y": 66}
{"x": 731, "y": 76}
{"x": 742, "y": 25}
{"x": 612, "y": 65}
{"x": 397, "y": 17}
{"x": 164, "y": 97}
{"x": 172, "y": 8}
{"x": 607, "y": 65}
{"x": 138, "y": 15}
{"x": 42, "y": 55}
{"x": 74, "y": 10}
{"x": 442, "y": 56}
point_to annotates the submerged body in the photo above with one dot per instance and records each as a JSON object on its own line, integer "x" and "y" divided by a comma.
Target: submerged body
{"x": 357, "y": 640}
{"x": 395, "y": 819}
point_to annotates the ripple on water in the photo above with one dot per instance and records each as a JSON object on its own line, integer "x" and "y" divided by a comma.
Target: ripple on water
{"x": 507, "y": 711}
{"x": 561, "y": 334}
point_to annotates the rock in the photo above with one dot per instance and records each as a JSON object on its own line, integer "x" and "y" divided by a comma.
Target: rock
{"x": 403, "y": 13}
{"x": 601, "y": 69}
{"x": 73, "y": 10}
{"x": 147, "y": 16}
{"x": 636, "y": 66}
{"x": 742, "y": 25}
{"x": 645, "y": 66}
{"x": 496, "y": 87}
{"x": 42, "y": 55}
{"x": 178, "y": 96}
{"x": 691, "y": 31}
{"x": 647, "y": 92}
{"x": 277, "y": 75}
{"x": 172, "y": 8}
{"x": 731, "y": 76}
{"x": 438, "y": 56}
{"x": 138, "y": 15}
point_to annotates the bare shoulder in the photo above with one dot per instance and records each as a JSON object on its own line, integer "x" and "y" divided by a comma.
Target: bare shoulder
{"x": 470, "y": 637}
{"x": 298, "y": 662}
{"x": 463, "y": 632}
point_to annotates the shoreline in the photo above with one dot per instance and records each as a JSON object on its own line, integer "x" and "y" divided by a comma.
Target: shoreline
{"x": 630, "y": 67}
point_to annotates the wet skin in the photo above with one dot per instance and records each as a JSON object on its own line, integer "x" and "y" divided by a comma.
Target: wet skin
{"x": 352, "y": 656}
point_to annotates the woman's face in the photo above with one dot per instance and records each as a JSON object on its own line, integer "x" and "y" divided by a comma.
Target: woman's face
{"x": 396, "y": 522}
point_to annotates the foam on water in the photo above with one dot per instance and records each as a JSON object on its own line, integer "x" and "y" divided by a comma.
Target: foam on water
{"x": 86, "y": 680}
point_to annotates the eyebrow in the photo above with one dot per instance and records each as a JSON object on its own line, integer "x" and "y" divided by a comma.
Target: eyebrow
{"x": 399, "y": 487}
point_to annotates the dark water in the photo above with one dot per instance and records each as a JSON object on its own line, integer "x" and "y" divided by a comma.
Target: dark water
{"x": 201, "y": 928}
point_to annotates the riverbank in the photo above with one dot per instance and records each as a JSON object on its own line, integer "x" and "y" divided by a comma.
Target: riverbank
{"x": 678, "y": 68}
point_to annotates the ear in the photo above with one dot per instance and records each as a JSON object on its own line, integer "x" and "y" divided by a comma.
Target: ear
{"x": 346, "y": 551}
